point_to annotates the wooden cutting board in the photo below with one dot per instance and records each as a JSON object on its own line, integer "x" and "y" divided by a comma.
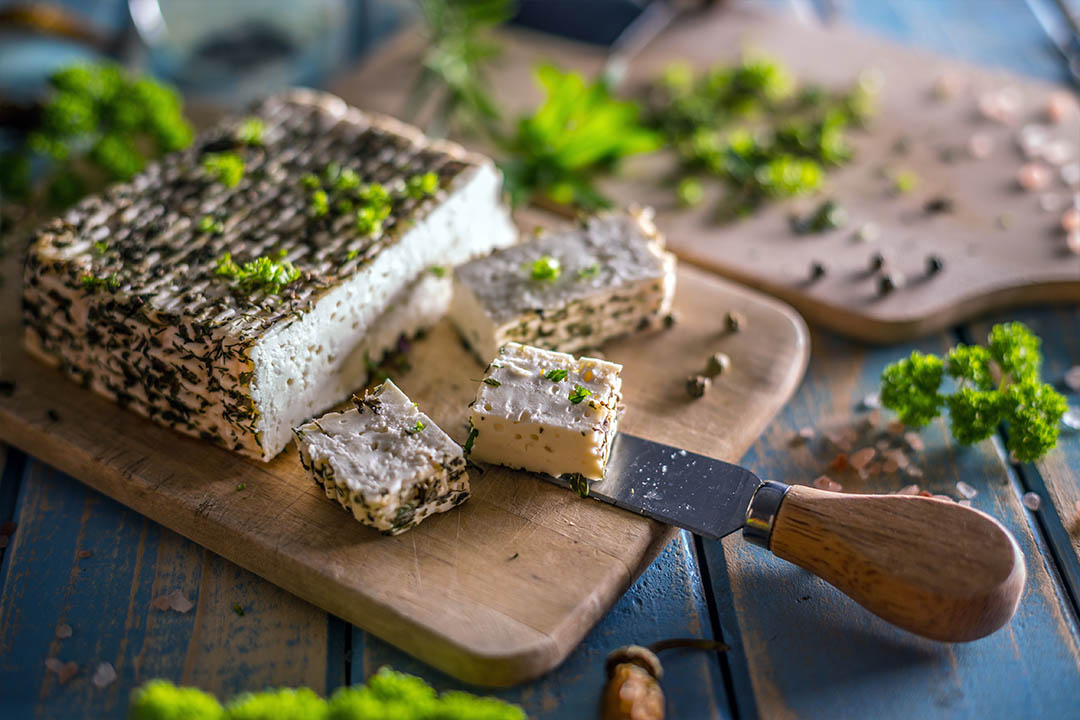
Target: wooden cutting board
{"x": 495, "y": 592}
{"x": 1000, "y": 248}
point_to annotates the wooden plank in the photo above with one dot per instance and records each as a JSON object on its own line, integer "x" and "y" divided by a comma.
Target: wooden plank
{"x": 492, "y": 622}
{"x": 105, "y": 599}
{"x": 805, "y": 650}
{"x": 1055, "y": 478}
{"x": 989, "y": 262}
{"x": 666, "y": 601}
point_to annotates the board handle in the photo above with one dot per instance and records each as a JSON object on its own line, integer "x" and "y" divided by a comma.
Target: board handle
{"x": 933, "y": 567}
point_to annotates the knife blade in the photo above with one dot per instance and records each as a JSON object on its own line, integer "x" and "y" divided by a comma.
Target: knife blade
{"x": 933, "y": 567}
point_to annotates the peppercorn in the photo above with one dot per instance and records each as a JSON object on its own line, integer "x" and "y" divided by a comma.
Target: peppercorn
{"x": 934, "y": 264}
{"x": 889, "y": 282}
{"x": 670, "y": 321}
{"x": 735, "y": 321}
{"x": 717, "y": 364}
{"x": 697, "y": 385}
{"x": 817, "y": 270}
{"x": 877, "y": 261}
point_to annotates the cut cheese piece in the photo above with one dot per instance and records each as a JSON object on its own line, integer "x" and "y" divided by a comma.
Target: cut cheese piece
{"x": 613, "y": 277}
{"x": 546, "y": 411}
{"x": 123, "y": 292}
{"x": 385, "y": 461}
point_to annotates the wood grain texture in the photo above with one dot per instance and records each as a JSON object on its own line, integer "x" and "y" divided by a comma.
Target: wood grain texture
{"x": 987, "y": 266}
{"x": 666, "y": 601}
{"x": 803, "y": 649}
{"x": 930, "y": 566}
{"x": 446, "y": 591}
{"x": 105, "y": 599}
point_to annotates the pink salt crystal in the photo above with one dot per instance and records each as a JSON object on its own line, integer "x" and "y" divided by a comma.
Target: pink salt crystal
{"x": 965, "y": 503}
{"x": 1032, "y": 140}
{"x": 860, "y": 458}
{"x": 882, "y": 445}
{"x": 1033, "y": 176}
{"x": 890, "y": 466}
{"x": 53, "y": 664}
{"x": 908, "y": 490}
{"x": 980, "y": 145}
{"x": 1031, "y": 501}
{"x": 895, "y": 428}
{"x": 161, "y": 602}
{"x": 1051, "y": 202}
{"x": 966, "y": 490}
{"x": 84, "y": 554}
{"x": 1070, "y": 220}
{"x": 63, "y": 631}
{"x": 926, "y": 493}
{"x": 914, "y": 471}
{"x": 901, "y": 460}
{"x": 104, "y": 676}
{"x": 1059, "y": 105}
{"x": 873, "y": 468}
{"x": 1058, "y": 152}
{"x": 179, "y": 602}
{"x": 66, "y": 672}
{"x": 914, "y": 441}
{"x": 1072, "y": 378}
{"x": 824, "y": 482}
{"x": 1070, "y": 174}
{"x": 944, "y": 497}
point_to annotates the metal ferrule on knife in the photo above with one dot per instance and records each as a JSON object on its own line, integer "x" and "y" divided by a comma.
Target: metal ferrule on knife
{"x": 762, "y": 510}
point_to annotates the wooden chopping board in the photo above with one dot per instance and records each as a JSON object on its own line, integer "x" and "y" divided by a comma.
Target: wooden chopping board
{"x": 1000, "y": 248}
{"x": 495, "y": 592}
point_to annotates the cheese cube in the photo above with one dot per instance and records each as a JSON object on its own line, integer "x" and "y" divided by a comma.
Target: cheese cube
{"x": 546, "y": 412}
{"x": 567, "y": 290}
{"x": 385, "y": 461}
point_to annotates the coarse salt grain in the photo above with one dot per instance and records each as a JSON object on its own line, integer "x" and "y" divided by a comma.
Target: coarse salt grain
{"x": 908, "y": 490}
{"x": 860, "y": 458}
{"x": 63, "y": 631}
{"x": 179, "y": 602}
{"x": 104, "y": 676}
{"x": 1058, "y": 152}
{"x": 980, "y": 145}
{"x": 1031, "y": 501}
{"x": 806, "y": 433}
{"x": 965, "y": 503}
{"x": 1032, "y": 139}
{"x": 943, "y": 497}
{"x": 914, "y": 441}
{"x": 1033, "y": 176}
{"x": 966, "y": 490}
{"x": 824, "y": 482}
{"x": 1072, "y": 378}
{"x": 1070, "y": 174}
{"x": 1051, "y": 202}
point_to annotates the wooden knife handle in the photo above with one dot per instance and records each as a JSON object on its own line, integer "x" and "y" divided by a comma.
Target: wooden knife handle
{"x": 933, "y": 567}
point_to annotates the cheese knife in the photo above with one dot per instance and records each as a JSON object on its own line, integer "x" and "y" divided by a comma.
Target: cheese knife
{"x": 933, "y": 567}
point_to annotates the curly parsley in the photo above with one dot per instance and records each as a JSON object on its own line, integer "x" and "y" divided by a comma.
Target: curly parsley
{"x": 269, "y": 274}
{"x": 225, "y": 167}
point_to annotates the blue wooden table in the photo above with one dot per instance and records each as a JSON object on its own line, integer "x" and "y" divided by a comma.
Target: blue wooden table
{"x": 798, "y": 648}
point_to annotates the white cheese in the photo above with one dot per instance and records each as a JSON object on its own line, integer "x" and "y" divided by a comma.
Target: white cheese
{"x": 546, "y": 411}
{"x": 614, "y": 278}
{"x": 123, "y": 292}
{"x": 385, "y": 461}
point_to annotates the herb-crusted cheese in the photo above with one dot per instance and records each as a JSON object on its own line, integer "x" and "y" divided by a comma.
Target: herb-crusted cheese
{"x": 385, "y": 461}
{"x": 567, "y": 290}
{"x": 234, "y": 308}
{"x": 546, "y": 411}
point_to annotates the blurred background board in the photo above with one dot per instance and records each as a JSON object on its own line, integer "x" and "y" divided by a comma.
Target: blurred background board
{"x": 496, "y": 592}
{"x": 999, "y": 246}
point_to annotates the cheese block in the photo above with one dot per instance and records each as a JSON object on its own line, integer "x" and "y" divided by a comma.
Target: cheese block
{"x": 546, "y": 411}
{"x": 234, "y": 312}
{"x": 384, "y": 460}
{"x": 567, "y": 290}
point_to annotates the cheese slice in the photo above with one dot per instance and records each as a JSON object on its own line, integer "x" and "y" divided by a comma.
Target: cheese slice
{"x": 613, "y": 278}
{"x": 546, "y": 411}
{"x": 385, "y": 461}
{"x": 123, "y": 292}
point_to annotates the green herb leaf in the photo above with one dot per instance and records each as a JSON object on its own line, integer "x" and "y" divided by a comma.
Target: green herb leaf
{"x": 421, "y": 186}
{"x": 415, "y": 428}
{"x": 545, "y": 269}
{"x": 587, "y": 273}
{"x": 319, "y": 203}
{"x": 579, "y": 484}
{"x": 100, "y": 247}
{"x": 227, "y": 168}
{"x": 557, "y": 375}
{"x": 473, "y": 432}
{"x": 268, "y": 274}
{"x": 237, "y": 609}
{"x": 438, "y": 271}
{"x": 492, "y": 382}
{"x": 578, "y": 394}
{"x": 250, "y": 131}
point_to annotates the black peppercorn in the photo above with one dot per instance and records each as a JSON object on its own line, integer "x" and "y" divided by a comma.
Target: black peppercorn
{"x": 817, "y": 270}
{"x": 934, "y": 264}
{"x": 697, "y": 385}
{"x": 889, "y": 282}
{"x": 877, "y": 261}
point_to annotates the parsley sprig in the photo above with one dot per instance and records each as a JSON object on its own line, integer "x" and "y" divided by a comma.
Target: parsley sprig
{"x": 578, "y": 394}
{"x": 1032, "y": 409}
{"x": 270, "y": 274}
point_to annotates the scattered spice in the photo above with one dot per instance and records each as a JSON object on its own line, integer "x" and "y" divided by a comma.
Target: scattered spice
{"x": 839, "y": 463}
{"x": 817, "y": 270}
{"x": 268, "y": 274}
{"x": 241, "y": 486}
{"x": 63, "y": 631}
{"x": 890, "y": 282}
{"x": 860, "y": 458}
{"x": 717, "y": 364}
{"x": 824, "y": 482}
{"x": 52, "y": 415}
{"x": 670, "y": 321}
{"x": 515, "y": 556}
{"x": 1033, "y": 176}
{"x": 877, "y": 261}
{"x": 236, "y": 608}
{"x": 867, "y": 232}
{"x": 545, "y": 269}
{"x": 905, "y": 181}
{"x": 908, "y": 490}
{"x": 176, "y": 600}
{"x": 734, "y": 321}
{"x": 1031, "y": 501}
{"x": 83, "y": 554}
{"x": 226, "y": 168}
{"x": 938, "y": 204}
{"x": 64, "y": 670}
{"x": 104, "y": 676}
{"x": 697, "y": 385}
{"x": 492, "y": 382}
{"x": 250, "y": 131}
{"x": 934, "y": 264}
